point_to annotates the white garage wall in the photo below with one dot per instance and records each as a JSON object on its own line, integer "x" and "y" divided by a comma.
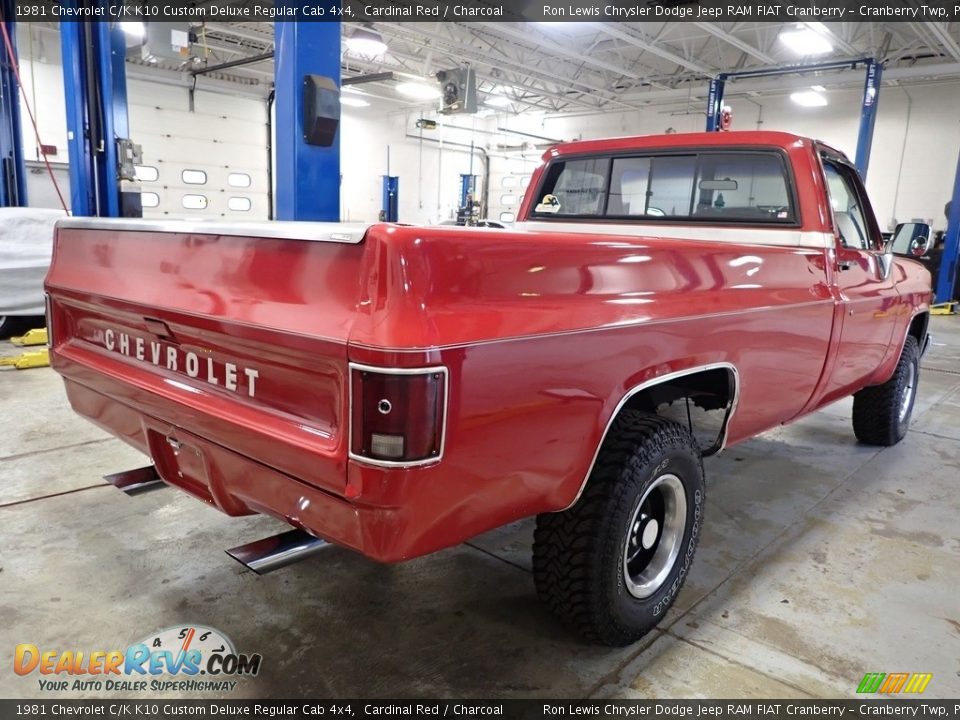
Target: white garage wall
{"x": 429, "y": 172}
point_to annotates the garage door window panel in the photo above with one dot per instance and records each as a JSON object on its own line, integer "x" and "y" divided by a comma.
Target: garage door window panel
{"x": 238, "y": 180}
{"x": 147, "y": 173}
{"x": 194, "y": 177}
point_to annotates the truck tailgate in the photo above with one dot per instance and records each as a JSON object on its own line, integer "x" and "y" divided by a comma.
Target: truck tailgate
{"x": 234, "y": 334}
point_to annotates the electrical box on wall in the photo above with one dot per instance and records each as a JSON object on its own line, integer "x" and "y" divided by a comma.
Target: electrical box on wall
{"x": 321, "y": 110}
{"x": 166, "y": 42}
{"x": 459, "y": 88}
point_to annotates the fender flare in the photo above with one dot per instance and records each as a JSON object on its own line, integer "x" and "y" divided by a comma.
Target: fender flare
{"x": 659, "y": 380}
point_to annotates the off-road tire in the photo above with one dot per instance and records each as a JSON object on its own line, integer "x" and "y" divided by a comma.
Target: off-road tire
{"x": 8, "y": 326}
{"x": 11, "y": 325}
{"x": 877, "y": 418}
{"x": 578, "y": 554}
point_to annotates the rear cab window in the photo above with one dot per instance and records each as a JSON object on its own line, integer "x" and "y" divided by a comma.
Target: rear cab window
{"x": 719, "y": 187}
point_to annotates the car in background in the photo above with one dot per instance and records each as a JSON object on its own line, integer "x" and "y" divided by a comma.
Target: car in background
{"x": 914, "y": 240}
{"x": 485, "y": 222}
{"x": 26, "y": 241}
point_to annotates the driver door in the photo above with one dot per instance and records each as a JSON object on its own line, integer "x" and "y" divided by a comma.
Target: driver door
{"x": 866, "y": 296}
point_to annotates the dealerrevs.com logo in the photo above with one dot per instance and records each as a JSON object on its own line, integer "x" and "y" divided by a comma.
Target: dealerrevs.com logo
{"x": 189, "y": 659}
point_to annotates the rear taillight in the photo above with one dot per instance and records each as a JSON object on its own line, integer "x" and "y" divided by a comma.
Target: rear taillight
{"x": 397, "y": 415}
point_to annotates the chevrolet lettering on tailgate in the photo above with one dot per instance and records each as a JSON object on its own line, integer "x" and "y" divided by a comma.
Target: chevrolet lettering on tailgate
{"x": 227, "y": 374}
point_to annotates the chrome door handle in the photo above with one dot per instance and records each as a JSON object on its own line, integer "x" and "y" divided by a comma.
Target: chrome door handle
{"x": 846, "y": 264}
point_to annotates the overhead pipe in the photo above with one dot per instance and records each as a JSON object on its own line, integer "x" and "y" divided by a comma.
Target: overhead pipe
{"x": 233, "y": 63}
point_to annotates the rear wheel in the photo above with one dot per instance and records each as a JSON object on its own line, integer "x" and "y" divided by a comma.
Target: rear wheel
{"x": 881, "y": 414}
{"x": 613, "y": 564}
{"x": 9, "y": 326}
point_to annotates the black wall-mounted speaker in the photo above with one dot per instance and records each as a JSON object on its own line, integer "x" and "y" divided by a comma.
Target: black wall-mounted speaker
{"x": 321, "y": 110}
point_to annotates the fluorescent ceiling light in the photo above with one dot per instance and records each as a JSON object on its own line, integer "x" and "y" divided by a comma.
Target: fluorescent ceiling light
{"x": 809, "y": 98}
{"x": 133, "y": 29}
{"x": 353, "y": 102}
{"x": 418, "y": 91}
{"x": 804, "y": 41}
{"x": 366, "y": 41}
{"x": 498, "y": 101}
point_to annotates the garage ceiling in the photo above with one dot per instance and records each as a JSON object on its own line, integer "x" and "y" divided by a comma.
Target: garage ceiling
{"x": 586, "y": 67}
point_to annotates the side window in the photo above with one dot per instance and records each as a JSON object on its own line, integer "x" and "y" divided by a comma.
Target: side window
{"x": 574, "y": 188}
{"x": 848, "y": 213}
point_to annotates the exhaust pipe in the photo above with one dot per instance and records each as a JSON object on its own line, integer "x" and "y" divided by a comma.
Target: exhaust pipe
{"x": 278, "y": 551}
{"x": 134, "y": 482}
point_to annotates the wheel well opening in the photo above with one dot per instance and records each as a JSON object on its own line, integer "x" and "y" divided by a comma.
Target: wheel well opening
{"x": 918, "y": 327}
{"x": 703, "y": 400}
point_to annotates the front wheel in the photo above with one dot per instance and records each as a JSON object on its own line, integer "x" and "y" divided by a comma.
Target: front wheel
{"x": 881, "y": 414}
{"x": 613, "y": 564}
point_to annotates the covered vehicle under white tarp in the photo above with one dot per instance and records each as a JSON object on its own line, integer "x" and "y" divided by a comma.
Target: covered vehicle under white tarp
{"x": 26, "y": 242}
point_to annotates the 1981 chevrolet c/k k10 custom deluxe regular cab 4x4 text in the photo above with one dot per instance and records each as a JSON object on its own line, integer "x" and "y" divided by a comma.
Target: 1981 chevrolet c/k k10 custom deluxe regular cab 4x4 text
{"x": 398, "y": 389}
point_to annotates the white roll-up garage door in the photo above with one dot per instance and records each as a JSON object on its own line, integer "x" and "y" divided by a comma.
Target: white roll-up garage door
{"x": 211, "y": 162}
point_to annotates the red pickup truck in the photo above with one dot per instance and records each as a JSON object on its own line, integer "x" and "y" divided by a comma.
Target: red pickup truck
{"x": 399, "y": 389}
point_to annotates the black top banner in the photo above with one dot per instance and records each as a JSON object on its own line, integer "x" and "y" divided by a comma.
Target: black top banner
{"x": 626, "y": 709}
{"x": 486, "y": 10}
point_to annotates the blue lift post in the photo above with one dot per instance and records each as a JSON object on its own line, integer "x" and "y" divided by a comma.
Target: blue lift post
{"x": 13, "y": 183}
{"x": 868, "y": 115}
{"x": 95, "y": 86}
{"x": 467, "y": 184}
{"x": 868, "y": 106}
{"x": 951, "y": 249}
{"x": 715, "y": 102}
{"x": 391, "y": 198}
{"x": 307, "y": 176}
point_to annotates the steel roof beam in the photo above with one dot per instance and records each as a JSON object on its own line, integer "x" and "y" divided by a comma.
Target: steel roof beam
{"x": 736, "y": 42}
{"x": 517, "y": 34}
{"x": 616, "y": 31}
{"x": 948, "y": 43}
{"x": 460, "y": 53}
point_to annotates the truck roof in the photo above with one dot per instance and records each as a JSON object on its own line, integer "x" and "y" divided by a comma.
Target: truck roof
{"x": 700, "y": 139}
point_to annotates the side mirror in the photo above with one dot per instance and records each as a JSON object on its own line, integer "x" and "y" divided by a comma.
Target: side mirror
{"x": 912, "y": 240}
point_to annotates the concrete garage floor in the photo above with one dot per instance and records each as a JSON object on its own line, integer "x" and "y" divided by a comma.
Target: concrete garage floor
{"x": 821, "y": 560}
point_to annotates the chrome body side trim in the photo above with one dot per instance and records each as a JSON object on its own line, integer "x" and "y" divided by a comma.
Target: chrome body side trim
{"x": 348, "y": 233}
